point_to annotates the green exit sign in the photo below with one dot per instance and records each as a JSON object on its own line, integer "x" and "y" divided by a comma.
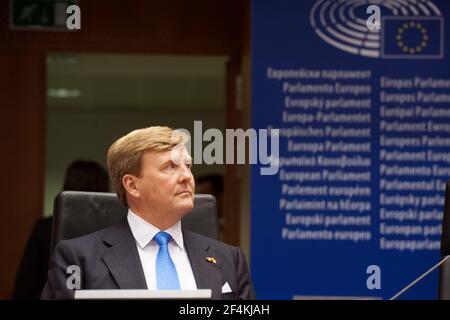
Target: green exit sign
{"x": 39, "y": 14}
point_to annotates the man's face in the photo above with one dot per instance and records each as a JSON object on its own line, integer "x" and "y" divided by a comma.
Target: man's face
{"x": 166, "y": 185}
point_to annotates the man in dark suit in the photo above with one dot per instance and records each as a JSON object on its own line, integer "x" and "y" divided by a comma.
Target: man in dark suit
{"x": 151, "y": 173}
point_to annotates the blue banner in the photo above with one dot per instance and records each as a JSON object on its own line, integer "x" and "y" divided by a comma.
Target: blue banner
{"x": 364, "y": 118}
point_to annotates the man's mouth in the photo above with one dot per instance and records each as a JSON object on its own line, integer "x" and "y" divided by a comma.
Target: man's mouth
{"x": 186, "y": 192}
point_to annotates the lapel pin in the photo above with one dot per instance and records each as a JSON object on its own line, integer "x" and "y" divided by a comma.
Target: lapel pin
{"x": 211, "y": 259}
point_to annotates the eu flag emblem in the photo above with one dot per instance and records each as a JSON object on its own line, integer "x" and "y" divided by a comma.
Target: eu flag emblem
{"x": 413, "y": 37}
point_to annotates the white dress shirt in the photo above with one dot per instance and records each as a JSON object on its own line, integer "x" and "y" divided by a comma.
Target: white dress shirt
{"x": 143, "y": 233}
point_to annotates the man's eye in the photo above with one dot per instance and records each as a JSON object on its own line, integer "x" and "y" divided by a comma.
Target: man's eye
{"x": 171, "y": 165}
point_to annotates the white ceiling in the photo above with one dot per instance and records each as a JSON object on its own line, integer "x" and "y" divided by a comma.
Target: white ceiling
{"x": 135, "y": 81}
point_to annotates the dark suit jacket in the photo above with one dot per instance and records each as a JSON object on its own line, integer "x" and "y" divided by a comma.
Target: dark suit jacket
{"x": 108, "y": 259}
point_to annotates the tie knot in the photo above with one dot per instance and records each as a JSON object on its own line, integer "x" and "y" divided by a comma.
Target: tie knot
{"x": 162, "y": 238}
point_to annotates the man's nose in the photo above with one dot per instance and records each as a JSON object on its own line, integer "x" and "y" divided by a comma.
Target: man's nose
{"x": 185, "y": 172}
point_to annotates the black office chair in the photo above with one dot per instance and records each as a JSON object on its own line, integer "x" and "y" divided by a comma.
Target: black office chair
{"x": 78, "y": 213}
{"x": 444, "y": 273}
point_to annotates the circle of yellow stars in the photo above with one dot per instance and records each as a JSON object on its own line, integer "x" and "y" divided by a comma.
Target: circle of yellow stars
{"x": 423, "y": 42}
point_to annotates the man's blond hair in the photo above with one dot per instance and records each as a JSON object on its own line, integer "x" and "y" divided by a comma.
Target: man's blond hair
{"x": 125, "y": 155}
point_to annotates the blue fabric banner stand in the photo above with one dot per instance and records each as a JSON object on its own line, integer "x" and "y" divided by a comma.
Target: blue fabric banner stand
{"x": 364, "y": 119}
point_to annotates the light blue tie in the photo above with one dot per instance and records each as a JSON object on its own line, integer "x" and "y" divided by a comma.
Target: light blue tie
{"x": 166, "y": 273}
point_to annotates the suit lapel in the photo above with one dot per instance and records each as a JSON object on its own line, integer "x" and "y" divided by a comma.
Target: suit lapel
{"x": 207, "y": 274}
{"x": 122, "y": 258}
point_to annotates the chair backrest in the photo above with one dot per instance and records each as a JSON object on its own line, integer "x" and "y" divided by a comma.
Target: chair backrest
{"x": 444, "y": 274}
{"x": 78, "y": 213}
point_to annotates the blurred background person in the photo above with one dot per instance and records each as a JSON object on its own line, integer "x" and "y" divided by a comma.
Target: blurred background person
{"x": 32, "y": 273}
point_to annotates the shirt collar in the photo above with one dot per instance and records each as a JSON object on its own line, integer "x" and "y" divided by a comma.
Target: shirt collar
{"x": 143, "y": 231}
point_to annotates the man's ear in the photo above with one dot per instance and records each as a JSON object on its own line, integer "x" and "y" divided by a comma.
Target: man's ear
{"x": 130, "y": 184}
